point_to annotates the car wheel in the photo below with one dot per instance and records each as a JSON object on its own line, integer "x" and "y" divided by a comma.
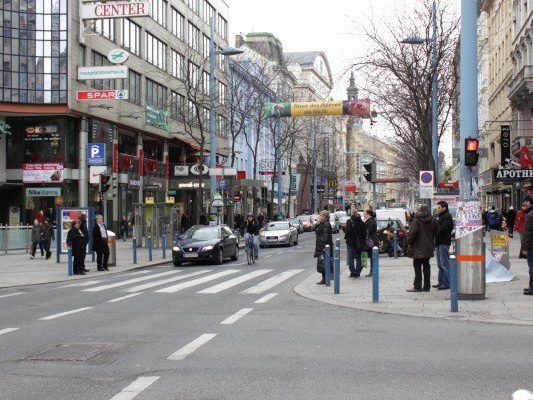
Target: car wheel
{"x": 219, "y": 257}
{"x": 236, "y": 256}
{"x": 177, "y": 263}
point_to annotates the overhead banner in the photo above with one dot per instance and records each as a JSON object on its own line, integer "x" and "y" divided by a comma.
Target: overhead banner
{"x": 360, "y": 107}
{"x": 115, "y": 9}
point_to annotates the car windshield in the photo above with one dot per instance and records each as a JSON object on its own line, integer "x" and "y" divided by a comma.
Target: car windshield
{"x": 276, "y": 226}
{"x": 201, "y": 233}
{"x": 385, "y": 222}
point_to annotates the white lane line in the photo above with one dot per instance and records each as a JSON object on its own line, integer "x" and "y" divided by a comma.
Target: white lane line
{"x": 54, "y": 316}
{"x": 194, "y": 282}
{"x": 130, "y": 281}
{"x": 235, "y": 281}
{"x": 266, "y": 298}
{"x": 237, "y": 316}
{"x": 133, "y": 389}
{"x": 270, "y": 255}
{"x": 191, "y": 347}
{"x": 124, "y": 297}
{"x": 7, "y": 330}
{"x": 79, "y": 284}
{"x": 149, "y": 285}
{"x": 10, "y": 294}
{"x": 271, "y": 282}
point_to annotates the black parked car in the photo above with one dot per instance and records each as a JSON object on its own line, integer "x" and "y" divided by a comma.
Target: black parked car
{"x": 206, "y": 243}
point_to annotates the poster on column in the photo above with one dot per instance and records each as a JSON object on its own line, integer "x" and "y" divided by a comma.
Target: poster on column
{"x": 67, "y": 215}
{"x": 468, "y": 217}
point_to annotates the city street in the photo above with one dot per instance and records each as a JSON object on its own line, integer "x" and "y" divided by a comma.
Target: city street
{"x": 240, "y": 332}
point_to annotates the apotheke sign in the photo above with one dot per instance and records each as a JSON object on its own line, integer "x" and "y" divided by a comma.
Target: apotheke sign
{"x": 515, "y": 175}
{"x": 115, "y": 9}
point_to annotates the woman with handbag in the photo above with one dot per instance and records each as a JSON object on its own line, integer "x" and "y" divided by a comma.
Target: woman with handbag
{"x": 372, "y": 236}
{"x": 323, "y": 237}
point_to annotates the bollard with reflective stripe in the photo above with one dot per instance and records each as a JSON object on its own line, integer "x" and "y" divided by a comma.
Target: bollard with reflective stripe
{"x": 69, "y": 262}
{"x": 134, "y": 240}
{"x": 395, "y": 244}
{"x": 327, "y": 265}
{"x": 164, "y": 245}
{"x": 454, "y": 298}
{"x": 375, "y": 275}
{"x": 337, "y": 268}
{"x": 149, "y": 248}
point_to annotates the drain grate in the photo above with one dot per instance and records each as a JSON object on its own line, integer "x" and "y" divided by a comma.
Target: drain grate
{"x": 70, "y": 352}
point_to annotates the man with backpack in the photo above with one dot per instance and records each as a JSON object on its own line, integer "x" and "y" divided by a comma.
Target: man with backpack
{"x": 355, "y": 235}
{"x": 494, "y": 219}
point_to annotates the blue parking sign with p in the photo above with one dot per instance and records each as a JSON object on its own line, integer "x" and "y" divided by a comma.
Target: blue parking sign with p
{"x": 96, "y": 154}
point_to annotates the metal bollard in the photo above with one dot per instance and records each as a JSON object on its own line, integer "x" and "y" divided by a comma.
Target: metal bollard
{"x": 375, "y": 275}
{"x": 454, "y": 298}
{"x": 69, "y": 262}
{"x": 134, "y": 241}
{"x": 149, "y": 243}
{"x": 327, "y": 265}
{"x": 337, "y": 268}
{"x": 164, "y": 245}
{"x": 395, "y": 244}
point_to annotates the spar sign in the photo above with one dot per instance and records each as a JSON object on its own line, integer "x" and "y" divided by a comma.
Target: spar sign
{"x": 115, "y": 9}
{"x": 89, "y": 95}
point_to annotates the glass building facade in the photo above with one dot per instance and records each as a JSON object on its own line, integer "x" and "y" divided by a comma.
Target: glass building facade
{"x": 33, "y": 51}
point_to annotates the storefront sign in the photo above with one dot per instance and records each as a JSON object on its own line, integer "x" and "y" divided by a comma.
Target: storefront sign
{"x": 89, "y": 95}
{"x": 134, "y": 182}
{"x": 171, "y": 192}
{"x": 42, "y": 173}
{"x": 115, "y": 9}
{"x": 512, "y": 175}
{"x": 197, "y": 170}
{"x": 190, "y": 185}
{"x": 149, "y": 200}
{"x": 96, "y": 154}
{"x": 505, "y": 143}
{"x": 103, "y": 72}
{"x": 94, "y": 173}
{"x": 157, "y": 117}
{"x": 40, "y": 130}
{"x": 43, "y": 192}
{"x": 118, "y": 56}
{"x": 153, "y": 186}
{"x": 181, "y": 170}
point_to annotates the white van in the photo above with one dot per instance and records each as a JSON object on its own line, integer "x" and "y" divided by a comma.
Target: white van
{"x": 392, "y": 213}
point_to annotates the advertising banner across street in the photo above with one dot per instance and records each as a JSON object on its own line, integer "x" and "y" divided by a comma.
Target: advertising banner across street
{"x": 360, "y": 107}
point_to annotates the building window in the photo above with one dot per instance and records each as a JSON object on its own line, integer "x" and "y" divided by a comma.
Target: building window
{"x": 155, "y": 51}
{"x": 155, "y": 94}
{"x": 205, "y": 82}
{"x": 222, "y": 27}
{"x": 194, "y": 71}
{"x": 97, "y": 61}
{"x": 194, "y": 37}
{"x": 222, "y": 93}
{"x": 176, "y": 106}
{"x": 177, "y": 24}
{"x": 210, "y": 12}
{"x": 134, "y": 87}
{"x": 159, "y": 11}
{"x": 105, "y": 27}
{"x": 178, "y": 62}
{"x": 205, "y": 46}
{"x": 131, "y": 36}
{"x": 220, "y": 60}
{"x": 222, "y": 124}
{"x": 194, "y": 5}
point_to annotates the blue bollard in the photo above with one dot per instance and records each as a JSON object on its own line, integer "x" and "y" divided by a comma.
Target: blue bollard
{"x": 164, "y": 245}
{"x": 375, "y": 275}
{"x": 327, "y": 265}
{"x": 454, "y": 298}
{"x": 134, "y": 243}
{"x": 395, "y": 244}
{"x": 149, "y": 240}
{"x": 69, "y": 262}
{"x": 337, "y": 268}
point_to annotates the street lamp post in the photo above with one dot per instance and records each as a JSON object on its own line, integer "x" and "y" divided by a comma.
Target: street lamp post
{"x": 314, "y": 130}
{"x": 213, "y": 92}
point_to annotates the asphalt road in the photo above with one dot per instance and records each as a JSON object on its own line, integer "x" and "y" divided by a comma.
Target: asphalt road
{"x": 163, "y": 340}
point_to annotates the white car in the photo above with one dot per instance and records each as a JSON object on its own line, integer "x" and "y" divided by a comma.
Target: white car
{"x": 276, "y": 233}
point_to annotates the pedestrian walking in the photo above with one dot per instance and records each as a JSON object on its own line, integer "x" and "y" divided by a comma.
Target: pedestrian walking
{"x": 124, "y": 228}
{"x": 494, "y": 219}
{"x": 323, "y": 237}
{"x": 520, "y": 219}
{"x": 355, "y": 236}
{"x": 261, "y": 219}
{"x": 526, "y": 243}
{"x": 421, "y": 245}
{"x": 40, "y": 216}
{"x": 85, "y": 233}
{"x": 100, "y": 244}
{"x": 443, "y": 241}
{"x": 47, "y": 237}
{"x": 372, "y": 237}
{"x": 511, "y": 218}
{"x": 36, "y": 238}
{"x": 76, "y": 242}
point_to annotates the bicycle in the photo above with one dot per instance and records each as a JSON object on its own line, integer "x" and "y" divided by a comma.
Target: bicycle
{"x": 250, "y": 249}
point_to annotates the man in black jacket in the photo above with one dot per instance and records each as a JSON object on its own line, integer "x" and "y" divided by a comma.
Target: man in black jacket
{"x": 443, "y": 240}
{"x": 100, "y": 244}
{"x": 526, "y": 243}
{"x": 355, "y": 236}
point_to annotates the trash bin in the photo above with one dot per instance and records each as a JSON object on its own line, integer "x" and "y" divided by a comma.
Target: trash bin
{"x": 112, "y": 243}
{"x": 470, "y": 256}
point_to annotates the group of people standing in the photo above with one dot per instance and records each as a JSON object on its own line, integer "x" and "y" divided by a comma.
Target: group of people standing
{"x": 42, "y": 234}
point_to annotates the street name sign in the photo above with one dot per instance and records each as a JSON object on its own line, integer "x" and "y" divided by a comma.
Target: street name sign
{"x": 103, "y": 72}
{"x": 115, "y": 9}
{"x": 90, "y": 95}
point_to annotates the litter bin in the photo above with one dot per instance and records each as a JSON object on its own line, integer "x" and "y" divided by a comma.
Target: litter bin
{"x": 112, "y": 243}
{"x": 470, "y": 256}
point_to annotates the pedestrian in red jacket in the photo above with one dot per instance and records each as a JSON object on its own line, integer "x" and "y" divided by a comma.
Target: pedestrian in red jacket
{"x": 520, "y": 219}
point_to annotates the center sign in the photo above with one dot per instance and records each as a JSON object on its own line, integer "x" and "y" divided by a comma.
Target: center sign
{"x": 115, "y": 9}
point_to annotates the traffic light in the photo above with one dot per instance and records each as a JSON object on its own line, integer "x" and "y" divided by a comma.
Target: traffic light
{"x": 471, "y": 152}
{"x": 371, "y": 173}
{"x": 104, "y": 183}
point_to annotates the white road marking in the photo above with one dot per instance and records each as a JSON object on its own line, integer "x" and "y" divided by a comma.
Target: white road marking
{"x": 124, "y": 297}
{"x": 266, "y": 298}
{"x": 10, "y": 294}
{"x": 270, "y": 255}
{"x": 194, "y": 282}
{"x": 54, "y": 316}
{"x": 191, "y": 347}
{"x": 79, "y": 284}
{"x": 138, "y": 272}
{"x": 235, "y": 281}
{"x": 130, "y": 281}
{"x": 149, "y": 285}
{"x": 133, "y": 389}
{"x": 237, "y": 316}
{"x": 271, "y": 282}
{"x": 7, "y": 330}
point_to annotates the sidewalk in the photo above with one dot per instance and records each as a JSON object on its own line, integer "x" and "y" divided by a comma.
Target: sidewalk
{"x": 17, "y": 269}
{"x": 504, "y": 301}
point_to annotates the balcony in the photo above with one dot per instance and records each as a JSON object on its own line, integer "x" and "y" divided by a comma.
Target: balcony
{"x": 520, "y": 87}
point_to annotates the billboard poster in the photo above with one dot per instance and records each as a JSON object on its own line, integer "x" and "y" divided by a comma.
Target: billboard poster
{"x": 500, "y": 247}
{"x": 42, "y": 173}
{"x": 359, "y": 107}
{"x": 468, "y": 217}
{"x": 66, "y": 216}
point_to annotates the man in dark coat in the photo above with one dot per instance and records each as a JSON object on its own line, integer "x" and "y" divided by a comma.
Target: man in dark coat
{"x": 510, "y": 219}
{"x": 323, "y": 237}
{"x": 421, "y": 240}
{"x": 85, "y": 233}
{"x": 76, "y": 242}
{"x": 526, "y": 242}
{"x": 100, "y": 244}
{"x": 355, "y": 235}
{"x": 372, "y": 235}
{"x": 443, "y": 241}
{"x": 48, "y": 236}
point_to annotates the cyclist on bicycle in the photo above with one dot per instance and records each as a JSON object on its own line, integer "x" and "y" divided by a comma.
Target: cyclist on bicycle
{"x": 251, "y": 228}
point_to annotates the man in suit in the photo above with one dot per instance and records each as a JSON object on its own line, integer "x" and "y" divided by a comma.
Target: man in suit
{"x": 100, "y": 244}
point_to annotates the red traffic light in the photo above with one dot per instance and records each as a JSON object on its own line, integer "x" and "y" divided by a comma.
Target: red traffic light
{"x": 471, "y": 145}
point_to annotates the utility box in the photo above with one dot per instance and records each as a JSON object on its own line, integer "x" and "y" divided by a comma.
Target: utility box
{"x": 470, "y": 255}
